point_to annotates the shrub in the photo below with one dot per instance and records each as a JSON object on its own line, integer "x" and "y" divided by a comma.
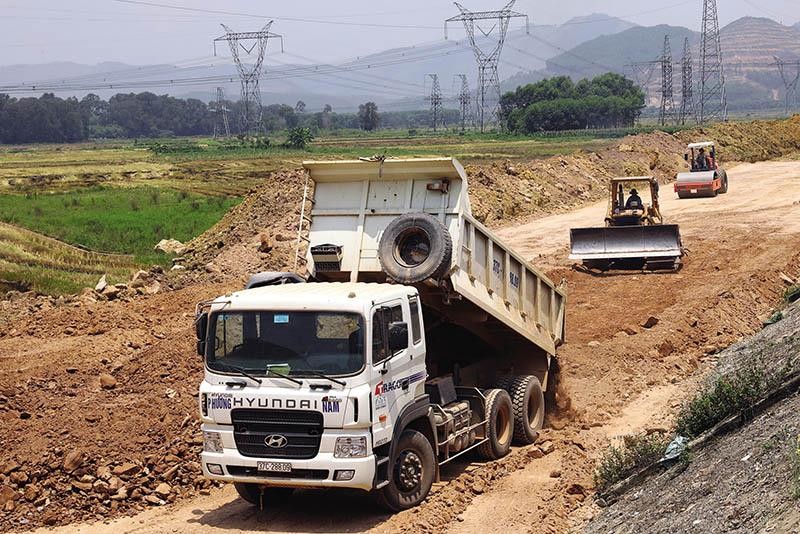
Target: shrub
{"x": 299, "y": 138}
{"x": 726, "y": 396}
{"x": 792, "y": 294}
{"x": 636, "y": 452}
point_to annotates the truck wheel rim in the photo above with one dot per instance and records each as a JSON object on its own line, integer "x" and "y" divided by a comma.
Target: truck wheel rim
{"x": 503, "y": 426}
{"x": 409, "y": 470}
{"x": 533, "y": 411}
{"x": 413, "y": 247}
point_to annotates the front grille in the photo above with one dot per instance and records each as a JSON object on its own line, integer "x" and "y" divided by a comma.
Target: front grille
{"x": 301, "y": 428}
{"x": 308, "y": 474}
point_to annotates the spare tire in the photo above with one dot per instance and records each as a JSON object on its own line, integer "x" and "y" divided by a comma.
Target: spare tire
{"x": 415, "y": 247}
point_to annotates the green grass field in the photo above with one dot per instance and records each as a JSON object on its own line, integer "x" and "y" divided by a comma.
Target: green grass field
{"x": 116, "y": 219}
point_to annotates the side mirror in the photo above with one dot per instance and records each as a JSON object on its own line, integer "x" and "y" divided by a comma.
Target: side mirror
{"x": 398, "y": 337}
{"x": 201, "y": 331}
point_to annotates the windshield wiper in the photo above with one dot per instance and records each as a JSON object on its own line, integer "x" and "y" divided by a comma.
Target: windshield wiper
{"x": 240, "y": 371}
{"x": 281, "y": 375}
{"x": 321, "y": 375}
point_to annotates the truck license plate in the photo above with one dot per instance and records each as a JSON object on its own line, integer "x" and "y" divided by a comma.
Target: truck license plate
{"x": 275, "y": 467}
{"x": 694, "y": 191}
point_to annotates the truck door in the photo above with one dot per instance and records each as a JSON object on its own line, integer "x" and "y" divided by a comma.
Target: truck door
{"x": 398, "y": 377}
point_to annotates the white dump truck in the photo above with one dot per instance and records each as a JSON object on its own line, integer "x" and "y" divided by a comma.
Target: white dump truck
{"x": 416, "y": 338}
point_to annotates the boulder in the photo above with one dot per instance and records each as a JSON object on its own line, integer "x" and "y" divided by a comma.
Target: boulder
{"x": 72, "y": 461}
{"x": 101, "y": 284}
{"x": 170, "y": 246}
{"x": 107, "y": 381}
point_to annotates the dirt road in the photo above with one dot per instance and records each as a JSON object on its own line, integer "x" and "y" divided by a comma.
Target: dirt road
{"x": 619, "y": 376}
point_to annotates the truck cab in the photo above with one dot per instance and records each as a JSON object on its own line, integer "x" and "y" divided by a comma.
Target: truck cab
{"x": 305, "y": 391}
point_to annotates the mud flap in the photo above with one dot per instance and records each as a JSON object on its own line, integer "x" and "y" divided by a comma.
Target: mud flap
{"x": 626, "y": 242}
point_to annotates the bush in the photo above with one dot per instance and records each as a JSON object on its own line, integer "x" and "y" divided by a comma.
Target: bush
{"x": 299, "y": 138}
{"x": 726, "y": 396}
{"x": 792, "y": 294}
{"x": 635, "y": 453}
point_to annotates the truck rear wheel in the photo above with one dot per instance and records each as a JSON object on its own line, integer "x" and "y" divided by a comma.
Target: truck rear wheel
{"x": 528, "y": 400}
{"x": 415, "y": 247}
{"x": 500, "y": 425}
{"x": 411, "y": 472}
{"x": 262, "y": 496}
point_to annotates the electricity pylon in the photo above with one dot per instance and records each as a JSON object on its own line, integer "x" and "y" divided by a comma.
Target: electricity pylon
{"x": 254, "y": 45}
{"x": 221, "y": 125}
{"x": 667, "y": 111}
{"x": 487, "y": 57}
{"x": 436, "y": 102}
{"x": 465, "y": 103}
{"x": 713, "y": 104}
{"x": 687, "y": 84}
{"x": 789, "y": 80}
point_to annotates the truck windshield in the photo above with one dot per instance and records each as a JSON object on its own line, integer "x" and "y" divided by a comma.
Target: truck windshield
{"x": 293, "y": 343}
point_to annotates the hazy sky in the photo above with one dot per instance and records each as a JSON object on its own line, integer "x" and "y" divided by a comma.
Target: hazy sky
{"x": 93, "y": 31}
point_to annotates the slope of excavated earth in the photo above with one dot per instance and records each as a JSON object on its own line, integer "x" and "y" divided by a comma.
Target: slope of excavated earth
{"x": 745, "y": 481}
{"x": 97, "y": 399}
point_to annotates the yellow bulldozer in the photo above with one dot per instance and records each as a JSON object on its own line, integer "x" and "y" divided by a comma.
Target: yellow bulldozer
{"x": 634, "y": 235}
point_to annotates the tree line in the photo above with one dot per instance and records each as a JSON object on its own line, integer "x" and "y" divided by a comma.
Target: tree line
{"x": 146, "y": 115}
{"x": 606, "y": 101}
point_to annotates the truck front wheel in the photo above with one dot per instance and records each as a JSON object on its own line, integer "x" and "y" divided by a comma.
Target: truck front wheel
{"x": 412, "y": 471}
{"x": 500, "y": 425}
{"x": 262, "y": 496}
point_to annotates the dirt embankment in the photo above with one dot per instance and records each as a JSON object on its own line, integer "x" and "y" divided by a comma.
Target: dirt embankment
{"x": 97, "y": 400}
{"x": 745, "y": 481}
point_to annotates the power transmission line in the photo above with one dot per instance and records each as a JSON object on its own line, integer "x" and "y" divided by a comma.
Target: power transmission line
{"x": 488, "y": 97}
{"x": 436, "y": 101}
{"x": 667, "y": 111}
{"x": 687, "y": 84}
{"x": 713, "y": 104}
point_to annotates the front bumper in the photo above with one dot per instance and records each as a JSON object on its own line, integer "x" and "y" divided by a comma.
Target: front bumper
{"x": 317, "y": 472}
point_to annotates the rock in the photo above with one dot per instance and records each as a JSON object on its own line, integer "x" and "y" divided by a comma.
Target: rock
{"x": 72, "y": 461}
{"x": 140, "y": 279}
{"x": 152, "y": 499}
{"x": 170, "y": 246}
{"x": 594, "y": 343}
{"x": 265, "y": 243}
{"x": 621, "y": 334}
{"x": 10, "y": 466}
{"x": 479, "y": 486}
{"x": 32, "y": 492}
{"x": 555, "y": 473}
{"x": 120, "y": 495}
{"x": 107, "y": 381}
{"x": 101, "y": 284}
{"x": 693, "y": 321}
{"x": 547, "y": 447}
{"x": 104, "y": 472}
{"x": 666, "y": 348}
{"x": 177, "y": 268}
{"x": 127, "y": 468}
{"x": 163, "y": 490}
{"x": 115, "y": 483}
{"x": 212, "y": 269}
{"x": 100, "y": 486}
{"x": 110, "y": 292}
{"x": 650, "y": 322}
{"x": 82, "y": 486}
{"x": 19, "y": 477}
{"x": 284, "y": 237}
{"x": 535, "y": 453}
{"x": 7, "y": 495}
{"x": 576, "y": 489}
{"x": 625, "y": 148}
{"x": 631, "y": 331}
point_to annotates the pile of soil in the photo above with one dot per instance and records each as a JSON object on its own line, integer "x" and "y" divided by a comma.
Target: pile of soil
{"x": 99, "y": 405}
{"x": 257, "y": 235}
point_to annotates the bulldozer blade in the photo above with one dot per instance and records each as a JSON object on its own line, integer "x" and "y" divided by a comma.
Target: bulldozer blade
{"x": 626, "y": 242}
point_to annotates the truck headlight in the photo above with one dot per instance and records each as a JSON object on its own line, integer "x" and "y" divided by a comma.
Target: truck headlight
{"x": 212, "y": 441}
{"x": 349, "y": 447}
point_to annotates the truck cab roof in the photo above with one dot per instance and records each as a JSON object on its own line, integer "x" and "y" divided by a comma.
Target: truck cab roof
{"x": 356, "y": 297}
